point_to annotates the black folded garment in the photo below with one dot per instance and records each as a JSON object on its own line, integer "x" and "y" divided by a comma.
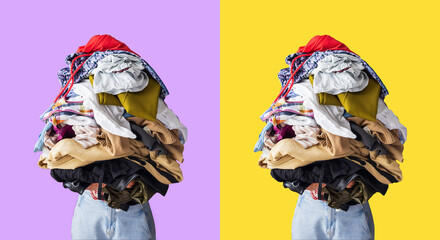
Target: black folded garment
{"x": 296, "y": 186}
{"x": 336, "y": 173}
{"x": 116, "y": 173}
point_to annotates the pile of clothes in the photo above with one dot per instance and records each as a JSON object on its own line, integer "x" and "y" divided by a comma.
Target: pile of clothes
{"x": 110, "y": 126}
{"x": 330, "y": 125}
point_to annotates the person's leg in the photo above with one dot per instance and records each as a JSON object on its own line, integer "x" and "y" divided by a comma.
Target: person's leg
{"x": 311, "y": 218}
{"x": 356, "y": 223}
{"x": 150, "y": 220}
{"x": 136, "y": 223}
{"x": 94, "y": 219}
{"x": 369, "y": 216}
{"x": 314, "y": 219}
{"x": 91, "y": 219}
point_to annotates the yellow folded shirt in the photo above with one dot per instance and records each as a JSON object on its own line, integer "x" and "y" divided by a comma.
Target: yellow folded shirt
{"x": 141, "y": 104}
{"x": 361, "y": 104}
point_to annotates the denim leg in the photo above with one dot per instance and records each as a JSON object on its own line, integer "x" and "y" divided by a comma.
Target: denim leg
{"x": 356, "y": 223}
{"x": 314, "y": 219}
{"x": 150, "y": 220}
{"x": 311, "y": 219}
{"x": 93, "y": 219}
{"x": 369, "y": 217}
{"x": 133, "y": 224}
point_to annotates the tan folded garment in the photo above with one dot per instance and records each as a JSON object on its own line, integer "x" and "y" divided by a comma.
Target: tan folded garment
{"x": 169, "y": 138}
{"x": 69, "y": 154}
{"x": 337, "y": 145}
{"x": 161, "y": 162}
{"x": 167, "y": 164}
{"x": 289, "y": 154}
{"x": 334, "y": 144}
{"x": 155, "y": 166}
{"x": 389, "y": 139}
{"x": 114, "y": 144}
{"x": 388, "y": 165}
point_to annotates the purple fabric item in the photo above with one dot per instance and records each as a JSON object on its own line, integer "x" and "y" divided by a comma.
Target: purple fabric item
{"x": 64, "y": 132}
{"x": 286, "y": 132}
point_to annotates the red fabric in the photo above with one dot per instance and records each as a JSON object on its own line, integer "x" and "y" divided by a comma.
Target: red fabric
{"x": 323, "y": 43}
{"x": 103, "y": 43}
{"x": 96, "y": 43}
{"x": 317, "y": 43}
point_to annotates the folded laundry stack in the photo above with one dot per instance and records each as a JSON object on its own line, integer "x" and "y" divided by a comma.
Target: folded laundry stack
{"x": 110, "y": 125}
{"x": 330, "y": 125}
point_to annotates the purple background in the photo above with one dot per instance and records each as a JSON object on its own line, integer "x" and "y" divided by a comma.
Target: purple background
{"x": 180, "y": 40}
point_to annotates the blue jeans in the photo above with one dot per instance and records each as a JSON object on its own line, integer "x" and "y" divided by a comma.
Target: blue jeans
{"x": 314, "y": 219}
{"x": 93, "y": 219}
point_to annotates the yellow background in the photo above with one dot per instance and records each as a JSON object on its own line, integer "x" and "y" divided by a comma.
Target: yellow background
{"x": 400, "y": 41}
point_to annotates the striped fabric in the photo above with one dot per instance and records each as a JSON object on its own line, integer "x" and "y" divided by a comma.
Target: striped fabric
{"x": 68, "y": 105}
{"x": 66, "y": 117}
{"x": 306, "y": 135}
{"x": 292, "y": 119}
{"x": 69, "y": 110}
{"x": 292, "y": 105}
{"x": 86, "y": 135}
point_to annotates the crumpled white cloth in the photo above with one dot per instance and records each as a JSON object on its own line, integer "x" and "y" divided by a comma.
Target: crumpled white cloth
{"x": 170, "y": 120}
{"x": 297, "y": 120}
{"x": 119, "y": 73}
{"x": 80, "y": 120}
{"x": 109, "y": 117}
{"x": 329, "y": 117}
{"x": 390, "y": 120}
{"x": 339, "y": 73}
